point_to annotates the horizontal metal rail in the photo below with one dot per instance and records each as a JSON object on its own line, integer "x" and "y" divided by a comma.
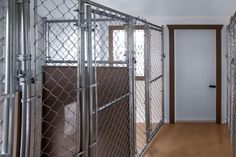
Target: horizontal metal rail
{"x": 155, "y": 29}
{"x": 6, "y": 96}
{"x": 121, "y": 13}
{"x": 103, "y": 13}
{"x": 74, "y": 20}
{"x": 157, "y": 78}
{"x": 74, "y": 61}
{"x": 112, "y": 102}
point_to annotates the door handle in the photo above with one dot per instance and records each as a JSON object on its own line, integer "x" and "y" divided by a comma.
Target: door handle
{"x": 212, "y": 86}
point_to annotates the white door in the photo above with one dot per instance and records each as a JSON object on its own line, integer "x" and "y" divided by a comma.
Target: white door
{"x": 195, "y": 70}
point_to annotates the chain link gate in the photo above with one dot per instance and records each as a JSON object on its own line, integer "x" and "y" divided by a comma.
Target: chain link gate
{"x": 112, "y": 72}
{"x": 231, "y": 81}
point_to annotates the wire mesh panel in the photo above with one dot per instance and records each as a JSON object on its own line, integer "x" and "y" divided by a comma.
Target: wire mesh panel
{"x": 112, "y": 75}
{"x": 56, "y": 128}
{"x": 2, "y": 63}
{"x": 148, "y": 83}
{"x": 141, "y": 138}
{"x": 156, "y": 79}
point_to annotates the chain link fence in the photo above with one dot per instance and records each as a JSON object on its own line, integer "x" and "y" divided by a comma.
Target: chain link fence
{"x": 56, "y": 131}
{"x": 112, "y": 79}
{"x": 139, "y": 47}
{"x": 2, "y": 62}
{"x": 231, "y": 81}
{"x": 156, "y": 80}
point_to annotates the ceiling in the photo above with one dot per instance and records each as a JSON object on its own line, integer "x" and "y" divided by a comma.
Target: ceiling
{"x": 171, "y": 8}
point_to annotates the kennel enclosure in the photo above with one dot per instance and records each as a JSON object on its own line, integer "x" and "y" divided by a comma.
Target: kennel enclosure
{"x": 80, "y": 79}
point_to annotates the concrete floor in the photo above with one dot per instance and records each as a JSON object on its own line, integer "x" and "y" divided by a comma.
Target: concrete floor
{"x": 191, "y": 140}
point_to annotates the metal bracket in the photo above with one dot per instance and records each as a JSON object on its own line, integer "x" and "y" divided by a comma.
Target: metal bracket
{"x": 93, "y": 144}
{"x": 6, "y": 96}
{"x": 92, "y": 86}
{"x": 81, "y": 89}
{"x": 24, "y": 57}
{"x": 31, "y": 98}
{"x": 4, "y": 155}
{"x": 27, "y": 80}
{"x": 79, "y": 154}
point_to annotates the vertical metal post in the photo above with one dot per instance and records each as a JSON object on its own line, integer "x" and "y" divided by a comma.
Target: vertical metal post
{"x": 90, "y": 72}
{"x": 132, "y": 99}
{"x": 8, "y": 106}
{"x": 228, "y": 94}
{"x": 234, "y": 93}
{"x": 232, "y": 85}
{"x": 6, "y": 109}
{"x": 147, "y": 68}
{"x": 81, "y": 107}
{"x": 7, "y": 134}
{"x": 96, "y": 83}
{"x": 46, "y": 30}
{"x": 25, "y": 77}
{"x": 163, "y": 73}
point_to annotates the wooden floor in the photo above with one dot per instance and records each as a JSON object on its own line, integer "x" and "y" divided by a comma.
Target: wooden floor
{"x": 191, "y": 140}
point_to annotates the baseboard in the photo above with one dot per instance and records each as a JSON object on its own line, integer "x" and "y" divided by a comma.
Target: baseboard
{"x": 195, "y": 121}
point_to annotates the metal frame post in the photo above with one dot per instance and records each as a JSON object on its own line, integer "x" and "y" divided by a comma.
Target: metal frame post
{"x": 163, "y": 73}
{"x": 91, "y": 84}
{"x": 25, "y": 77}
{"x": 147, "y": 71}
{"x": 232, "y": 86}
{"x": 234, "y": 95}
{"x": 228, "y": 77}
{"x": 8, "y": 107}
{"x": 95, "y": 82}
{"x": 81, "y": 91}
{"x": 132, "y": 94}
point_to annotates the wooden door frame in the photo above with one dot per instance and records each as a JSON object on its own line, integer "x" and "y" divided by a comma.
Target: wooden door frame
{"x": 172, "y": 29}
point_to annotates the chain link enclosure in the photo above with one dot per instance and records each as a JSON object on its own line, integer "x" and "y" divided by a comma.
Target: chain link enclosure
{"x": 102, "y": 53}
{"x": 90, "y": 83}
{"x": 231, "y": 80}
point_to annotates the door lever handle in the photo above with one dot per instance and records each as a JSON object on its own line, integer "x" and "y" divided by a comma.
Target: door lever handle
{"x": 212, "y": 86}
